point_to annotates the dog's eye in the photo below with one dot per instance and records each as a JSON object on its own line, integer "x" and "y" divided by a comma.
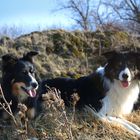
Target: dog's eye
{"x": 119, "y": 64}
{"x": 25, "y": 72}
{"x": 32, "y": 71}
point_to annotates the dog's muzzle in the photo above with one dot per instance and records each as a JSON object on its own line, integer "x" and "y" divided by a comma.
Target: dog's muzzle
{"x": 21, "y": 88}
{"x": 125, "y": 77}
{"x": 30, "y": 92}
{"x": 125, "y": 83}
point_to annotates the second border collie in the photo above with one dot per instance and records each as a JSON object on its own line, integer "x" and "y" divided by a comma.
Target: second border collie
{"x": 110, "y": 93}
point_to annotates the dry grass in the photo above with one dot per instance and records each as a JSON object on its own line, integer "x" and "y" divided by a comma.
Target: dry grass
{"x": 64, "y": 53}
{"x": 59, "y": 123}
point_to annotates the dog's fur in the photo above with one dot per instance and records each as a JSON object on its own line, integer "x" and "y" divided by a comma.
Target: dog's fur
{"x": 19, "y": 84}
{"x": 111, "y": 91}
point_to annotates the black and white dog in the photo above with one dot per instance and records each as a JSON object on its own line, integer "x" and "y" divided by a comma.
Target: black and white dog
{"x": 111, "y": 91}
{"x": 19, "y": 82}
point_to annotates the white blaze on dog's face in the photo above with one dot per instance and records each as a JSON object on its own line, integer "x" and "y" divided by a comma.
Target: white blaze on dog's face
{"x": 34, "y": 82}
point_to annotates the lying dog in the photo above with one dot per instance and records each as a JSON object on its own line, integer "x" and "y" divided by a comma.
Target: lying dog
{"x": 19, "y": 83}
{"x": 110, "y": 93}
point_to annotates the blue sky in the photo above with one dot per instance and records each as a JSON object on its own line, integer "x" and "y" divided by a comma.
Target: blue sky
{"x": 32, "y": 13}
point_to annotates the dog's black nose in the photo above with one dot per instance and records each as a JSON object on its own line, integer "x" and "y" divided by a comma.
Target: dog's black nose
{"x": 34, "y": 85}
{"x": 124, "y": 76}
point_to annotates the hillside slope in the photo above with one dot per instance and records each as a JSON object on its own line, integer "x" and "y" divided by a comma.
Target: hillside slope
{"x": 73, "y": 54}
{"x": 66, "y": 53}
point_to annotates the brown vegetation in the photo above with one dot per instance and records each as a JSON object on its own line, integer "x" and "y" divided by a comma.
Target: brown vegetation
{"x": 73, "y": 54}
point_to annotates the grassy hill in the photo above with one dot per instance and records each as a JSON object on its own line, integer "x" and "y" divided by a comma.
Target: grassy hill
{"x": 73, "y": 54}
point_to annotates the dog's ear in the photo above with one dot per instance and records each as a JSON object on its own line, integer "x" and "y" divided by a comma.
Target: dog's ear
{"x": 137, "y": 57}
{"x": 29, "y": 56}
{"x": 110, "y": 54}
{"x": 8, "y": 62}
{"x": 135, "y": 54}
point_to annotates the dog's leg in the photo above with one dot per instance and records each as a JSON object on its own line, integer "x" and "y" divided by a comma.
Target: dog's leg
{"x": 132, "y": 124}
{"x": 126, "y": 124}
{"x": 122, "y": 122}
{"x": 92, "y": 112}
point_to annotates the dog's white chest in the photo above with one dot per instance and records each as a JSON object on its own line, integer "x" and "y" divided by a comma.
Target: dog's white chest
{"x": 119, "y": 101}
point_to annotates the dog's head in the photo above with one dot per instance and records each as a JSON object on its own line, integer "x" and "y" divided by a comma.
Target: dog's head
{"x": 20, "y": 74}
{"x": 123, "y": 66}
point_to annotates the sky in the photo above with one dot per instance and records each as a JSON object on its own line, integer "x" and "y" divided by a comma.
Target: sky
{"x": 33, "y": 13}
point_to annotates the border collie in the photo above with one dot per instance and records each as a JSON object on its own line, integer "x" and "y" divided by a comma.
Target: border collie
{"x": 110, "y": 93}
{"x": 19, "y": 84}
